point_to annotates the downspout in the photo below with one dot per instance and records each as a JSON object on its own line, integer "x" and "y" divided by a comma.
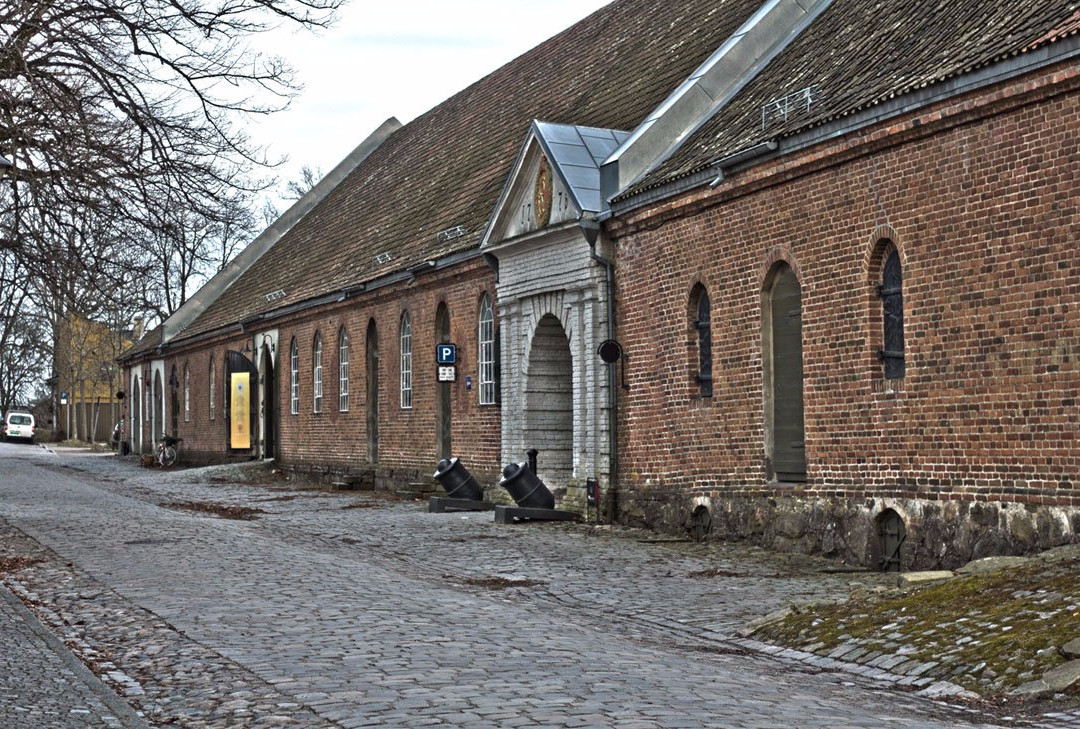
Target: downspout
{"x": 591, "y": 228}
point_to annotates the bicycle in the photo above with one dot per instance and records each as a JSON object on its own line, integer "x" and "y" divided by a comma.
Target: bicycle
{"x": 166, "y": 450}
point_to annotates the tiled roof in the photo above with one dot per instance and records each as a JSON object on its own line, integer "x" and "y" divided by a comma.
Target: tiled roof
{"x": 447, "y": 167}
{"x": 148, "y": 343}
{"x": 860, "y": 53}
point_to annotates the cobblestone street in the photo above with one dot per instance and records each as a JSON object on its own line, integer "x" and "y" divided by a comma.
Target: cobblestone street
{"x": 345, "y": 609}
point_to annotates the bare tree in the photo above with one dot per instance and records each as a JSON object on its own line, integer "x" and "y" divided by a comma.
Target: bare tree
{"x": 186, "y": 248}
{"x": 291, "y": 191}
{"x": 128, "y": 97}
{"x": 120, "y": 119}
{"x": 23, "y": 336}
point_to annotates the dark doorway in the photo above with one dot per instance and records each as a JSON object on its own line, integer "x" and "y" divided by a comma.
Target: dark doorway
{"x": 789, "y": 450}
{"x": 549, "y": 402}
{"x": 238, "y": 363}
{"x": 157, "y": 422}
{"x": 136, "y": 416}
{"x": 174, "y": 402}
{"x": 442, "y": 390}
{"x": 269, "y": 404}
{"x": 892, "y": 532}
{"x": 372, "y": 349}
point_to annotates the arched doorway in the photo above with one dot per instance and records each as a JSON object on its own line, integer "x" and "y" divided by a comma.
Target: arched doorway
{"x": 136, "y": 414}
{"x": 443, "y": 443}
{"x": 549, "y": 402}
{"x": 372, "y": 358}
{"x": 268, "y": 382}
{"x": 174, "y": 402}
{"x": 157, "y": 421}
{"x": 784, "y": 376}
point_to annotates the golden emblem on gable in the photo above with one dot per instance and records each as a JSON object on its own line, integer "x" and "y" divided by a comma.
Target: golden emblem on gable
{"x": 542, "y": 194}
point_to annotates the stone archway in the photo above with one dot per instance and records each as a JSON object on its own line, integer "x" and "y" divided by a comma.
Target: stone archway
{"x": 549, "y": 403}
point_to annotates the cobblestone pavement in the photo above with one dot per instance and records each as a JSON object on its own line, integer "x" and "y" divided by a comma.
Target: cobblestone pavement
{"x": 43, "y": 685}
{"x": 332, "y": 609}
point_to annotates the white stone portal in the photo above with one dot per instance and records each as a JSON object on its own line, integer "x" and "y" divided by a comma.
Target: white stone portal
{"x": 552, "y": 303}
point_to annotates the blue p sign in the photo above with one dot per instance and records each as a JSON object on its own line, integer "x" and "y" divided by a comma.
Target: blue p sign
{"x": 446, "y": 353}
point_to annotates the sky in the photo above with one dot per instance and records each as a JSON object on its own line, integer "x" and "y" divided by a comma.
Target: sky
{"x": 395, "y": 59}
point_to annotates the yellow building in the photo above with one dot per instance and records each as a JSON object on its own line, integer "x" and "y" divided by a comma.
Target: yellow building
{"x": 88, "y": 377}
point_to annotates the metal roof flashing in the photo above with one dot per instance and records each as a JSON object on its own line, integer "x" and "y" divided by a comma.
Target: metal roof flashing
{"x": 1015, "y": 65}
{"x": 734, "y": 64}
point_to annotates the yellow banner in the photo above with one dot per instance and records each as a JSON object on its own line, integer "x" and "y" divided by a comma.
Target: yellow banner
{"x": 241, "y": 399}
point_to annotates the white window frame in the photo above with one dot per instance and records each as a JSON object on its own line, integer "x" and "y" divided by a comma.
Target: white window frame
{"x": 213, "y": 386}
{"x": 406, "y": 361}
{"x": 343, "y": 371}
{"x": 294, "y": 369}
{"x": 316, "y": 374}
{"x": 486, "y": 349}
{"x": 187, "y": 394}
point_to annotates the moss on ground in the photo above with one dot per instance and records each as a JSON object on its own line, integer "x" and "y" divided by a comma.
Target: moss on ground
{"x": 988, "y": 633}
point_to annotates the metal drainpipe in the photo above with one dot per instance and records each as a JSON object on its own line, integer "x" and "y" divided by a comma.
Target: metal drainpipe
{"x": 613, "y": 444}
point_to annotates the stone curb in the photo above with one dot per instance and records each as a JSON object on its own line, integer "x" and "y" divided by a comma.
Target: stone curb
{"x": 122, "y": 711}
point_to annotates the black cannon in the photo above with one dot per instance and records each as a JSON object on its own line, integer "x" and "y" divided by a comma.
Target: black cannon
{"x": 526, "y": 488}
{"x": 457, "y": 480}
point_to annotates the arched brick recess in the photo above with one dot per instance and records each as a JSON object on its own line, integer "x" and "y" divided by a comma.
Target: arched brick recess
{"x": 775, "y": 255}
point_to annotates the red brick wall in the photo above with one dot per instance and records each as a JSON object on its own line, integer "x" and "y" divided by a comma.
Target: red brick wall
{"x": 981, "y": 195}
{"x": 205, "y": 439}
{"x": 334, "y": 442}
{"x": 406, "y": 437}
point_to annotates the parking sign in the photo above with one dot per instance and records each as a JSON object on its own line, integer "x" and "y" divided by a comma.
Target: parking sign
{"x": 446, "y": 354}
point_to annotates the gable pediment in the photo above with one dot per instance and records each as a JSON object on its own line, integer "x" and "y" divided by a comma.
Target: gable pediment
{"x": 555, "y": 179}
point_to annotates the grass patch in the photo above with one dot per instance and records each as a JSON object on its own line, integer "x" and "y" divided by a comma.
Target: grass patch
{"x": 988, "y": 633}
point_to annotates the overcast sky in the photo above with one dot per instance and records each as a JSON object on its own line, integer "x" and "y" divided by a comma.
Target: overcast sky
{"x": 396, "y": 59}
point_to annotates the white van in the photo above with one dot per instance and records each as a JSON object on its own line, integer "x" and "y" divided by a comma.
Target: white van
{"x": 19, "y": 425}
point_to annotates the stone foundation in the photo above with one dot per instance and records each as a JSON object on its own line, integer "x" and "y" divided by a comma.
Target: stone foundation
{"x": 940, "y": 534}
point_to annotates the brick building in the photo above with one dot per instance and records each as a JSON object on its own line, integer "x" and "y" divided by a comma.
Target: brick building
{"x": 848, "y": 298}
{"x": 385, "y": 255}
{"x": 833, "y": 242}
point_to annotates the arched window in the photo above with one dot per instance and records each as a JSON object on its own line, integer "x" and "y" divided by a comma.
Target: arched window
{"x": 701, "y": 313}
{"x": 187, "y": 395}
{"x": 316, "y": 371}
{"x": 294, "y": 379}
{"x": 406, "y": 361}
{"x": 213, "y": 388}
{"x": 892, "y": 315}
{"x": 486, "y": 348}
{"x": 343, "y": 370}
{"x": 174, "y": 400}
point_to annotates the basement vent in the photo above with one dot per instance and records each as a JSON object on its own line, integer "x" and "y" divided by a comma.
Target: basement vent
{"x": 275, "y": 295}
{"x": 794, "y": 104}
{"x": 384, "y": 257}
{"x": 450, "y": 233}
